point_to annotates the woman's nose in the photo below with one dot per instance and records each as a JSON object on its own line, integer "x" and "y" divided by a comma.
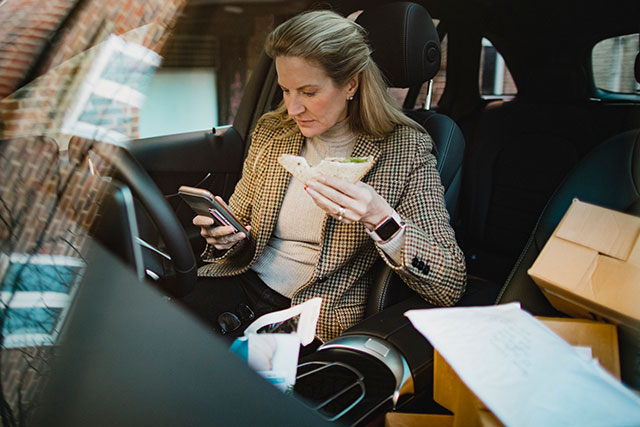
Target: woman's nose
{"x": 294, "y": 106}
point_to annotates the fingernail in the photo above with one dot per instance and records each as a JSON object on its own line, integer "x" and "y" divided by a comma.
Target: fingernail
{"x": 305, "y": 187}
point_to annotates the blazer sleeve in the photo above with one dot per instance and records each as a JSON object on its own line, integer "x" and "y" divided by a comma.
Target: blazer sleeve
{"x": 241, "y": 199}
{"x": 432, "y": 262}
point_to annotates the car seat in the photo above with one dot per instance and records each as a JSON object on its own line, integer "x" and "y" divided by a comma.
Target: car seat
{"x": 406, "y": 48}
{"x": 384, "y": 360}
{"x": 608, "y": 176}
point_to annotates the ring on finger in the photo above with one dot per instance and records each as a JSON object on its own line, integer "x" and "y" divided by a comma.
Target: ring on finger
{"x": 341, "y": 213}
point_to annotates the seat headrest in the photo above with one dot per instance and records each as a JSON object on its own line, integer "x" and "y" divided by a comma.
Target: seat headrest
{"x": 405, "y": 43}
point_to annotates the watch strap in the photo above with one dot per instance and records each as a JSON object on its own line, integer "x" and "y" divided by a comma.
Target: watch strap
{"x": 395, "y": 217}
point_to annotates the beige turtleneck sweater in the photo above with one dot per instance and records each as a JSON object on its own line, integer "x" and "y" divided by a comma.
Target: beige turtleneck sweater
{"x": 290, "y": 257}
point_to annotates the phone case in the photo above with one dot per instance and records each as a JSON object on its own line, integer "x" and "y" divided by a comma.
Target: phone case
{"x": 203, "y": 203}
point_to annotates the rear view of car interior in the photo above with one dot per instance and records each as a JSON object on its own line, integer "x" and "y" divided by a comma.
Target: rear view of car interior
{"x": 530, "y": 105}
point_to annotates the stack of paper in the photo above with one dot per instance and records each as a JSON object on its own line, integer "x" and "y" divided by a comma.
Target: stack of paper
{"x": 524, "y": 373}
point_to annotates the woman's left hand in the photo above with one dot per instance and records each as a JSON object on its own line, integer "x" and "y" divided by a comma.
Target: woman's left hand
{"x": 357, "y": 202}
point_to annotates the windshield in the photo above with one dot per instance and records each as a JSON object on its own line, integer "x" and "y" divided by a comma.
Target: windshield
{"x": 60, "y": 133}
{"x": 80, "y": 82}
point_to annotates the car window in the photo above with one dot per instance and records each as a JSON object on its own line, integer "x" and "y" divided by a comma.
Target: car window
{"x": 206, "y": 65}
{"x": 36, "y": 291}
{"x": 612, "y": 61}
{"x": 495, "y": 78}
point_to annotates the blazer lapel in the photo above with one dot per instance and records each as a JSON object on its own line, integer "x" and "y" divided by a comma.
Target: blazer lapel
{"x": 275, "y": 181}
{"x": 345, "y": 238}
{"x": 367, "y": 146}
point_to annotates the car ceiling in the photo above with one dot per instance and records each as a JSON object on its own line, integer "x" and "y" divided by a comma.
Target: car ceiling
{"x": 540, "y": 40}
{"x": 536, "y": 19}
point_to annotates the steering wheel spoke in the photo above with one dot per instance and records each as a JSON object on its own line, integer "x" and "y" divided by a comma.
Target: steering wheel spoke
{"x": 178, "y": 249}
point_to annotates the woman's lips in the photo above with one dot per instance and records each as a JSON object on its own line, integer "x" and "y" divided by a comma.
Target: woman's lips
{"x": 304, "y": 122}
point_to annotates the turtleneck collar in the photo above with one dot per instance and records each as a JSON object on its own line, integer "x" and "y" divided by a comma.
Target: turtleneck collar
{"x": 338, "y": 135}
{"x": 338, "y": 141}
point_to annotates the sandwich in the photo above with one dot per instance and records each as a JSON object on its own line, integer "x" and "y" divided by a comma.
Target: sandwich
{"x": 350, "y": 169}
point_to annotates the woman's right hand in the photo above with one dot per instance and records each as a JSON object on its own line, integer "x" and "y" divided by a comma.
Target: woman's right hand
{"x": 220, "y": 237}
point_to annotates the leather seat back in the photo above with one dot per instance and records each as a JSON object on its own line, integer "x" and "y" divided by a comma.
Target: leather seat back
{"x": 449, "y": 149}
{"x": 406, "y": 48}
{"x": 608, "y": 176}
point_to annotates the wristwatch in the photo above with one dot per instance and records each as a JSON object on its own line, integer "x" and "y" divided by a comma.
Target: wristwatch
{"x": 387, "y": 228}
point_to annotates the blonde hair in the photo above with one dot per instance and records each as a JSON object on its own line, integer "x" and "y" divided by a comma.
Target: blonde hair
{"x": 339, "y": 46}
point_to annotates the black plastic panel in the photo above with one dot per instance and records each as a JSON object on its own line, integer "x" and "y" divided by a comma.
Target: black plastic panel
{"x": 204, "y": 151}
{"x": 378, "y": 380}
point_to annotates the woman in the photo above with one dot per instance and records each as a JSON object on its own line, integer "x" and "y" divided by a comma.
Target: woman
{"x": 322, "y": 239}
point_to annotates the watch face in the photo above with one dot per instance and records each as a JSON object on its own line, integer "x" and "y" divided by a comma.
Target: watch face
{"x": 387, "y": 229}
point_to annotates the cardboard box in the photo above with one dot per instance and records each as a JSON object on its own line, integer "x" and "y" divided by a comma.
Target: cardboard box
{"x": 590, "y": 267}
{"x": 446, "y": 383}
{"x": 450, "y": 392}
{"x": 601, "y": 337}
{"x": 401, "y": 419}
{"x": 471, "y": 412}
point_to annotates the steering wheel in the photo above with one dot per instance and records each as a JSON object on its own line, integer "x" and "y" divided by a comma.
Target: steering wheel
{"x": 145, "y": 190}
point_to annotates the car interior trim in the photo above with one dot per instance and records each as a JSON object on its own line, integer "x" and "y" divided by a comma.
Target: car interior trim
{"x": 374, "y": 346}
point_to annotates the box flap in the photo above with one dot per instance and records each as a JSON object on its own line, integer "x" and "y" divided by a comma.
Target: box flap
{"x": 609, "y": 232}
{"x": 601, "y": 337}
{"x": 615, "y": 285}
{"x": 634, "y": 257}
{"x": 563, "y": 263}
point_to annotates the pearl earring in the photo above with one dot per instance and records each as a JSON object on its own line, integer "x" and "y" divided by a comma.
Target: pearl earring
{"x": 350, "y": 98}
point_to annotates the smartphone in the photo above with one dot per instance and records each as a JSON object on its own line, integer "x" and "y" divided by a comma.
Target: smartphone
{"x": 203, "y": 202}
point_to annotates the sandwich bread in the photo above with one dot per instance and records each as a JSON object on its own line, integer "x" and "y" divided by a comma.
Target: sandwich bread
{"x": 350, "y": 169}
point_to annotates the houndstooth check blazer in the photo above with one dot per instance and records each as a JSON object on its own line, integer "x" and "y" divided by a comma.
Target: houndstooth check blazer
{"x": 404, "y": 173}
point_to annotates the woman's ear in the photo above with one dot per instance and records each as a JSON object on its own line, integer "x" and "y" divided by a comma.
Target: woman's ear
{"x": 352, "y": 85}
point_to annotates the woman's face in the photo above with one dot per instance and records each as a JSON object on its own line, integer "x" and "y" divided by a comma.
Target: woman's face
{"x": 311, "y": 97}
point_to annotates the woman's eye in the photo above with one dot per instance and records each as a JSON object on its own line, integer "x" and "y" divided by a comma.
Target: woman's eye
{"x": 309, "y": 93}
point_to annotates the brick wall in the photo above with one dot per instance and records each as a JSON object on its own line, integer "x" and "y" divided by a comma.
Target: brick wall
{"x": 49, "y": 196}
{"x": 22, "y": 41}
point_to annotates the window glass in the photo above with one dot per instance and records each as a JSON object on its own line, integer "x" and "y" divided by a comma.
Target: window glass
{"x": 36, "y": 291}
{"x": 207, "y": 64}
{"x": 495, "y": 78}
{"x": 613, "y": 61}
{"x": 179, "y": 100}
